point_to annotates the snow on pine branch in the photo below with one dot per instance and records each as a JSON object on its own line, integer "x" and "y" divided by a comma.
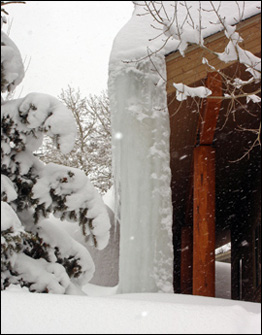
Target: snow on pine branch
{"x": 44, "y": 112}
{"x": 12, "y": 68}
{"x": 8, "y": 192}
{"x": 9, "y": 219}
{"x": 68, "y": 193}
{"x": 40, "y": 275}
{"x": 24, "y": 123}
{"x": 80, "y": 266}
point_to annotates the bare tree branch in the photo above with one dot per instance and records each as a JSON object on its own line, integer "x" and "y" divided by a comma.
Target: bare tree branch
{"x": 234, "y": 88}
{"x": 92, "y": 151}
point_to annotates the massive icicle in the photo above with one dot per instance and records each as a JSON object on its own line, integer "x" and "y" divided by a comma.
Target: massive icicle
{"x": 142, "y": 175}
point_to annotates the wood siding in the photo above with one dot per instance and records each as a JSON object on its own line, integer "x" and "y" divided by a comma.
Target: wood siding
{"x": 189, "y": 69}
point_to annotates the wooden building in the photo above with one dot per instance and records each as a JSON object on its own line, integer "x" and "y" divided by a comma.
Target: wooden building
{"x": 216, "y": 193}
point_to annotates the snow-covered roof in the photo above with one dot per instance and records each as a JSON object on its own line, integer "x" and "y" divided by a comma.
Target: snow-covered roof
{"x": 143, "y": 32}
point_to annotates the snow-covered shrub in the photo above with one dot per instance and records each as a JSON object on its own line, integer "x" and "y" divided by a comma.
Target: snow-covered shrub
{"x": 35, "y": 251}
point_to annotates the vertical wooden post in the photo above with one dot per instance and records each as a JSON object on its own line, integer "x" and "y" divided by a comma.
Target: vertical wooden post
{"x": 186, "y": 259}
{"x": 204, "y": 222}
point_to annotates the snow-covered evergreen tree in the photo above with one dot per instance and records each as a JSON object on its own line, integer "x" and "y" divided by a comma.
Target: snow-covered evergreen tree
{"x": 36, "y": 251}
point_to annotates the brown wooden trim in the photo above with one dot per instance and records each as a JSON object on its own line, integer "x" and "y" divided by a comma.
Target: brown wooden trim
{"x": 204, "y": 222}
{"x": 210, "y": 110}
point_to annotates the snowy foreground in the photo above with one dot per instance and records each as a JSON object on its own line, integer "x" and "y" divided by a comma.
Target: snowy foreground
{"x": 104, "y": 312}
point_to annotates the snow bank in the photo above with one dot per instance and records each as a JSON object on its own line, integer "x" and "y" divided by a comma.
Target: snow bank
{"x": 126, "y": 314}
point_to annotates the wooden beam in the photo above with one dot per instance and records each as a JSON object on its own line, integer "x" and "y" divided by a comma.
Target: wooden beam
{"x": 207, "y": 127}
{"x": 204, "y": 222}
{"x": 210, "y": 109}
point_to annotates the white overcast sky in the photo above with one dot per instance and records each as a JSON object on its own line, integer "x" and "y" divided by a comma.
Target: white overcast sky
{"x": 67, "y": 42}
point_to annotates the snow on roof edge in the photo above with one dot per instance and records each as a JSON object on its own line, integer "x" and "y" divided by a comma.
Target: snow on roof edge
{"x": 131, "y": 44}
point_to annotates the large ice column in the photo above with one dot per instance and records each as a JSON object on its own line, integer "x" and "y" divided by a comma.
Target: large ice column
{"x": 142, "y": 174}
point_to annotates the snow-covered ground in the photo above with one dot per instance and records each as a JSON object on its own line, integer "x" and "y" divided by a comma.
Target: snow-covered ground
{"x": 104, "y": 312}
